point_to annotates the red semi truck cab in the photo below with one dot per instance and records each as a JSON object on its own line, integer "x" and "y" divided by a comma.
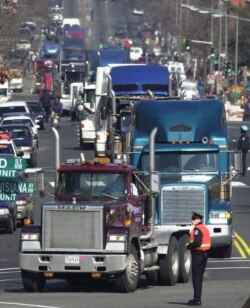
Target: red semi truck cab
{"x": 92, "y": 229}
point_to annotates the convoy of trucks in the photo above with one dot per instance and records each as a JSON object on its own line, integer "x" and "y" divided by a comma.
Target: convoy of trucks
{"x": 126, "y": 213}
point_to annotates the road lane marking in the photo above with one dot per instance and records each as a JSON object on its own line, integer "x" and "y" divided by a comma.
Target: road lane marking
{"x": 240, "y": 250}
{"x": 9, "y": 268}
{"x": 241, "y": 245}
{"x": 242, "y": 241}
{"x": 226, "y": 267}
{"x": 10, "y": 272}
{"x": 3, "y": 280}
{"x": 28, "y": 305}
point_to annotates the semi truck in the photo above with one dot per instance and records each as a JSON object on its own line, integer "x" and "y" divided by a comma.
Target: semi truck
{"x": 118, "y": 86}
{"x": 193, "y": 159}
{"x": 127, "y": 84}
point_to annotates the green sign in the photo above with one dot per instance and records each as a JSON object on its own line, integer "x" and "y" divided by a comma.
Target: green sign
{"x": 12, "y": 163}
{"x": 17, "y": 187}
{"x": 8, "y": 197}
{"x": 8, "y": 173}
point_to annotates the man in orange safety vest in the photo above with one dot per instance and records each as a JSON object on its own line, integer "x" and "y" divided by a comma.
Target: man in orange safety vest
{"x": 199, "y": 244}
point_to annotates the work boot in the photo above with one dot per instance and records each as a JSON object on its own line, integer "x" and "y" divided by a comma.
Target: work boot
{"x": 194, "y": 302}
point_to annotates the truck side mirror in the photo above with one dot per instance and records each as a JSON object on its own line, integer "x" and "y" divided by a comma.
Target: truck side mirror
{"x": 103, "y": 113}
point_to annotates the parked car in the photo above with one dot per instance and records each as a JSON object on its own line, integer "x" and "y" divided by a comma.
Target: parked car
{"x": 26, "y": 33}
{"x": 38, "y": 112}
{"x": 30, "y": 23}
{"x": 23, "y": 44}
{"x": 24, "y": 139}
{"x": 8, "y": 216}
{"x": 16, "y": 57}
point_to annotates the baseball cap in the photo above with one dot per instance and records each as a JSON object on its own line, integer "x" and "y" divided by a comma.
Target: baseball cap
{"x": 196, "y": 216}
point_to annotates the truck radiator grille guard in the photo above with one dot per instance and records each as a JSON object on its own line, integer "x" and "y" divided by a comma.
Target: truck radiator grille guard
{"x": 72, "y": 230}
{"x": 177, "y": 203}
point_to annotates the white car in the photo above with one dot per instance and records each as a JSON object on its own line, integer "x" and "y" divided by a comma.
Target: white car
{"x": 23, "y": 44}
{"x": 8, "y": 149}
{"x": 20, "y": 119}
{"x": 138, "y": 11}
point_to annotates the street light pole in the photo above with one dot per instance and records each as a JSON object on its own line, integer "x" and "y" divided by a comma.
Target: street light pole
{"x": 236, "y": 49}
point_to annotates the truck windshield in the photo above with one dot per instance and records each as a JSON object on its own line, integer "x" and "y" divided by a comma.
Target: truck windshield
{"x": 183, "y": 162}
{"x": 92, "y": 183}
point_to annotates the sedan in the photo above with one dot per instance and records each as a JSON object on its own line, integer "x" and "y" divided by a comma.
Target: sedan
{"x": 20, "y": 119}
{"x": 38, "y": 112}
{"x": 24, "y": 140}
{"x": 23, "y": 44}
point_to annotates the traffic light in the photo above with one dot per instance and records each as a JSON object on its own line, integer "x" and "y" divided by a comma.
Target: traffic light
{"x": 187, "y": 45}
{"x": 212, "y": 53}
{"x": 229, "y": 67}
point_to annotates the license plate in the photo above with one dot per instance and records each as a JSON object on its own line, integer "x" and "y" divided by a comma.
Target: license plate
{"x": 72, "y": 259}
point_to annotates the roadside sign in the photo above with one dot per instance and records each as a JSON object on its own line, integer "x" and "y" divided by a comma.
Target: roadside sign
{"x": 8, "y": 173}
{"x": 14, "y": 187}
{"x": 12, "y": 163}
{"x": 8, "y": 197}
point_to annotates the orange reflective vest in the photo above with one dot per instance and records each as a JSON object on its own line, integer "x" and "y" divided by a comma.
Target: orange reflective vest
{"x": 206, "y": 240}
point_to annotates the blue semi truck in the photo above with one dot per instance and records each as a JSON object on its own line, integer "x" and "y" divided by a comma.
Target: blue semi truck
{"x": 192, "y": 158}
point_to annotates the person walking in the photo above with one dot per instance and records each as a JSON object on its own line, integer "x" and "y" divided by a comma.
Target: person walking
{"x": 243, "y": 147}
{"x": 245, "y": 104}
{"x": 199, "y": 244}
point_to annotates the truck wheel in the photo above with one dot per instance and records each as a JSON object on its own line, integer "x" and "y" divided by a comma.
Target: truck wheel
{"x": 10, "y": 227}
{"x": 32, "y": 282}
{"x": 128, "y": 280}
{"x": 169, "y": 264}
{"x": 185, "y": 259}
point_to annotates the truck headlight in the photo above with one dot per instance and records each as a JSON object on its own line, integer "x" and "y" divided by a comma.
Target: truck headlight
{"x": 219, "y": 217}
{"x": 4, "y": 211}
{"x": 30, "y": 236}
{"x": 117, "y": 238}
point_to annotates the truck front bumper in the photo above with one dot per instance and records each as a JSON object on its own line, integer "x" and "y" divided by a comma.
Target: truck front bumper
{"x": 221, "y": 235}
{"x": 72, "y": 263}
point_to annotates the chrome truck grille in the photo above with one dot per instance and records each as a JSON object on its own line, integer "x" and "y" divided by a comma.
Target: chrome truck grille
{"x": 177, "y": 203}
{"x": 66, "y": 228}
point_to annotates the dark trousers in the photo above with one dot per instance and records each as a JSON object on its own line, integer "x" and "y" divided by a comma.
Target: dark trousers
{"x": 244, "y": 165}
{"x": 199, "y": 263}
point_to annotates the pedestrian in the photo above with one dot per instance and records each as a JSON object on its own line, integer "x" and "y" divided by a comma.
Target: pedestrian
{"x": 199, "y": 244}
{"x": 46, "y": 101}
{"x": 243, "y": 147}
{"x": 246, "y": 106}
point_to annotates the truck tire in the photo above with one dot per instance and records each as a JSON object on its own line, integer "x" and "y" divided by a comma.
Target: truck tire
{"x": 185, "y": 259}
{"x": 10, "y": 227}
{"x": 169, "y": 264}
{"x": 32, "y": 282}
{"x": 128, "y": 280}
